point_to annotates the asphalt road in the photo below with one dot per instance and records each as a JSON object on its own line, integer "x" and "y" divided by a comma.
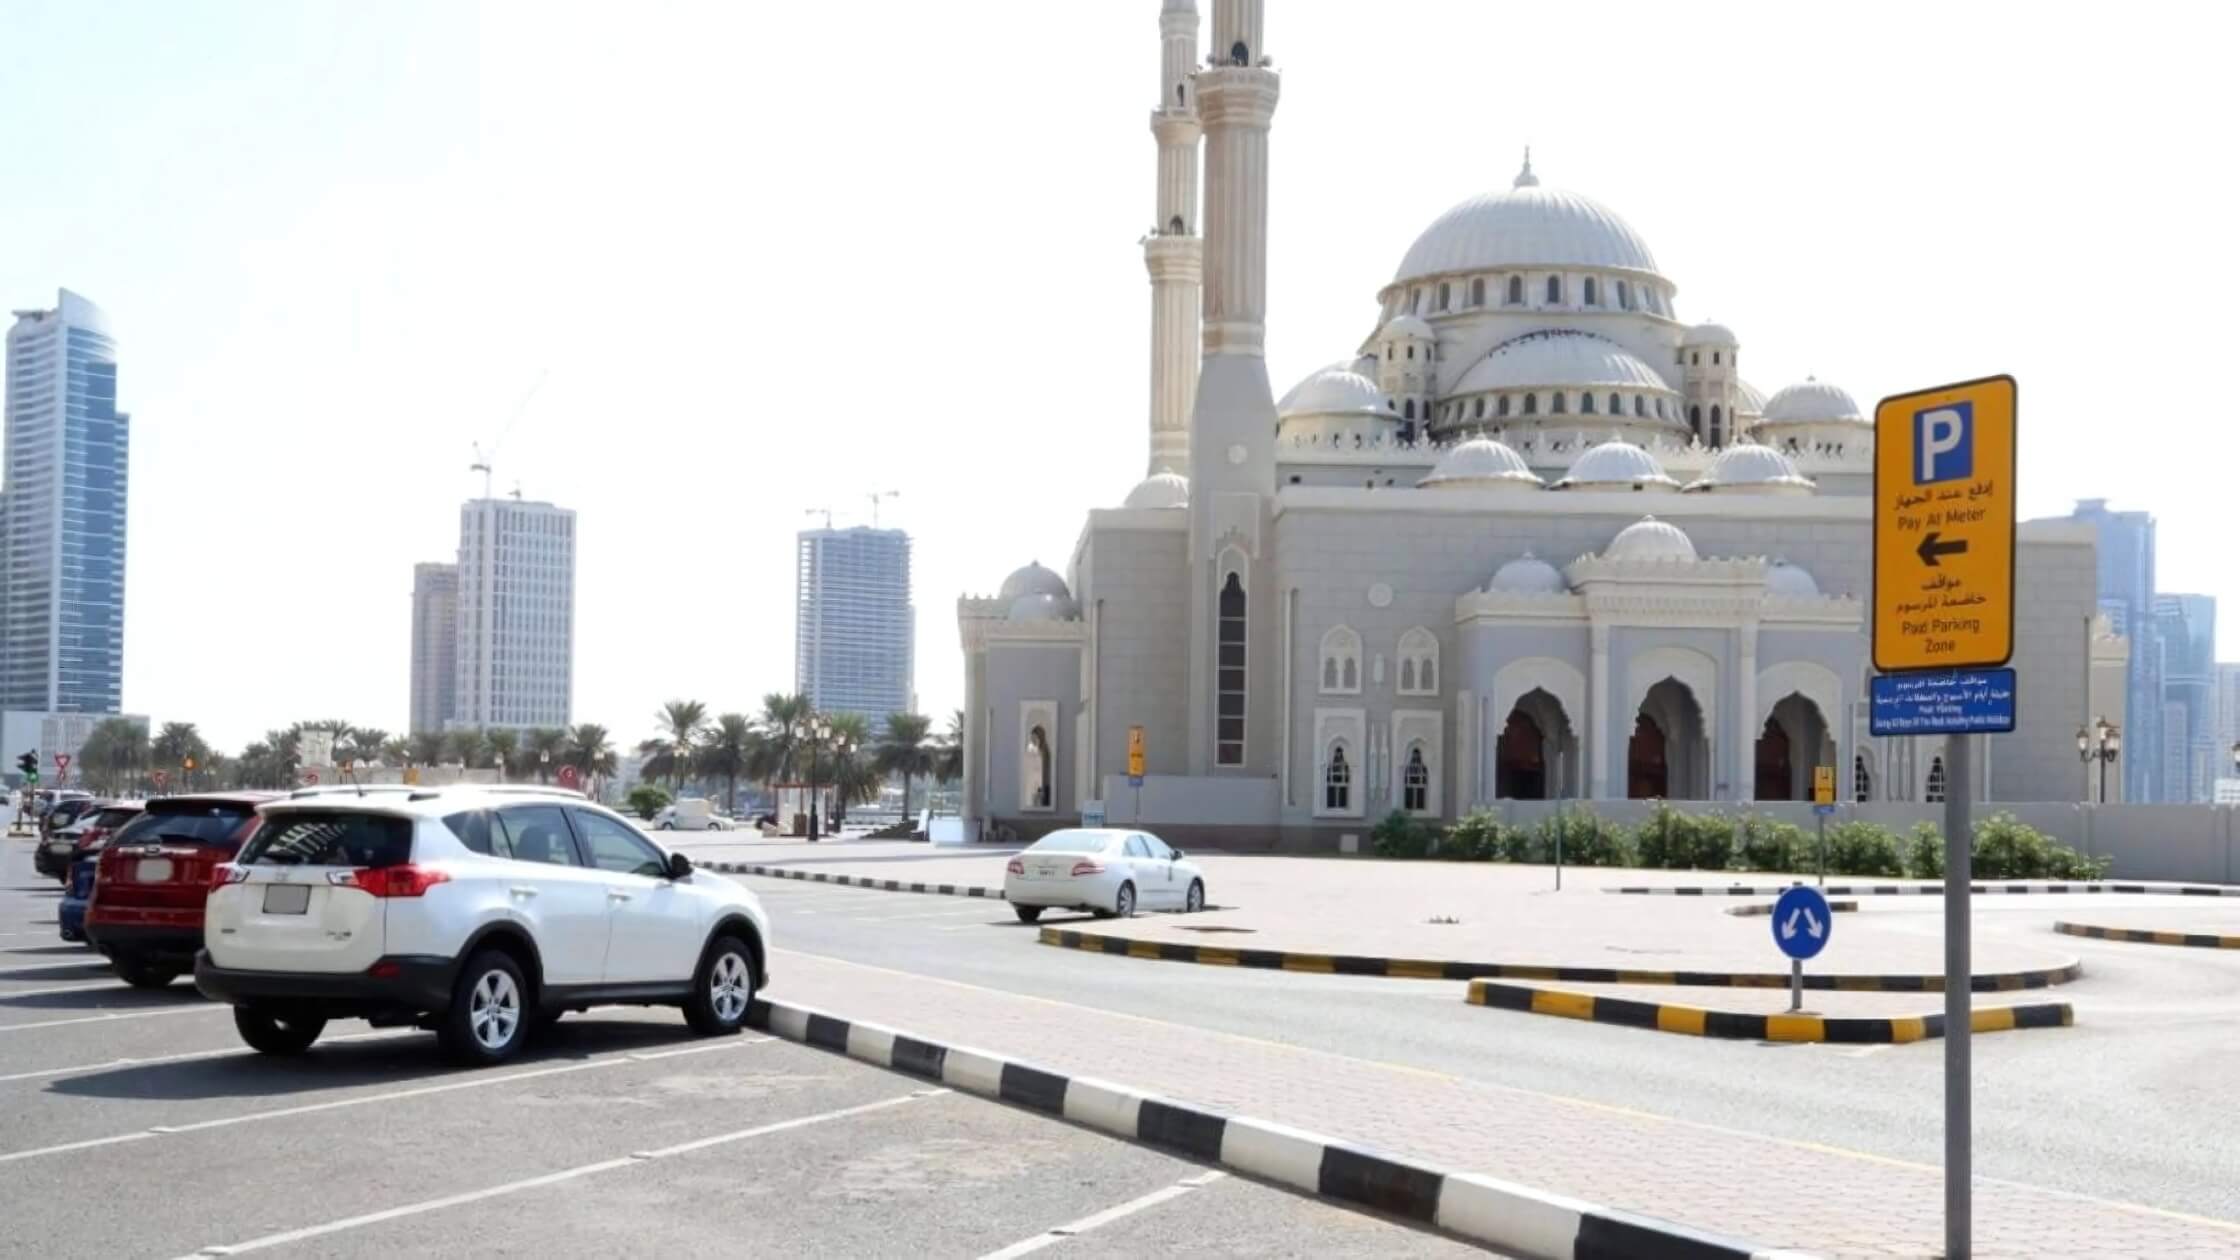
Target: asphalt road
{"x": 2133, "y": 1104}
{"x": 135, "y": 1123}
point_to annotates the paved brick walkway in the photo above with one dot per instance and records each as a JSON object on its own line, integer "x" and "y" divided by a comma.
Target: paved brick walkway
{"x": 1776, "y": 1192}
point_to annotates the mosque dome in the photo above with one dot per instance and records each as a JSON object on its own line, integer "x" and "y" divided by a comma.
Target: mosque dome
{"x": 1616, "y": 466}
{"x": 1480, "y": 463}
{"x": 1784, "y": 578}
{"x": 1708, "y": 334}
{"x": 1405, "y": 325}
{"x": 1032, "y": 580}
{"x": 1558, "y": 357}
{"x": 1650, "y": 539}
{"x": 1755, "y": 468}
{"x": 1525, "y": 226}
{"x": 1749, "y": 400}
{"x": 1042, "y": 608}
{"x": 1528, "y": 574}
{"x": 1334, "y": 390}
{"x": 1811, "y": 402}
{"x": 1165, "y": 488}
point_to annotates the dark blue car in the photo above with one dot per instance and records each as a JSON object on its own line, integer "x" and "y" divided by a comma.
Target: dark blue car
{"x": 72, "y": 915}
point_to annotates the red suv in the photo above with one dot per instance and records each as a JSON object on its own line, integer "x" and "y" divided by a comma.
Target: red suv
{"x": 153, "y": 876}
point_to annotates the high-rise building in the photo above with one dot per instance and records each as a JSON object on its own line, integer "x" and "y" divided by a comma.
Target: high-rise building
{"x": 517, "y": 612}
{"x": 854, "y": 630}
{"x": 2228, "y": 708}
{"x": 62, "y": 558}
{"x": 2186, "y": 626}
{"x": 435, "y": 645}
{"x": 2125, "y": 545}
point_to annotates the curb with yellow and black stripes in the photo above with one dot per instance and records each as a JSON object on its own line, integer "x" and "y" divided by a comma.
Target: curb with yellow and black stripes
{"x": 1697, "y": 1022}
{"x": 1454, "y": 969}
{"x": 855, "y": 881}
{"x": 2138, "y": 936}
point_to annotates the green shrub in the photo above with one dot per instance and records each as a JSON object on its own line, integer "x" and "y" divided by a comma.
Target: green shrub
{"x": 1677, "y": 841}
{"x": 646, "y": 800}
{"x": 1400, "y": 836}
{"x": 1587, "y": 840}
{"x": 2004, "y": 848}
{"x": 1864, "y": 848}
{"x": 1476, "y": 838}
{"x": 1527, "y": 844}
{"x": 1925, "y": 851}
{"x": 1769, "y": 844}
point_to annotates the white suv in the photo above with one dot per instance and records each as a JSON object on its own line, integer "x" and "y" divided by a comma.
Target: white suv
{"x": 477, "y": 912}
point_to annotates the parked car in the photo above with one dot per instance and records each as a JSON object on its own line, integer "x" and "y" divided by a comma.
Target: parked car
{"x": 1109, "y": 871}
{"x": 96, "y": 829}
{"x": 696, "y": 814}
{"x": 144, "y": 908}
{"x": 478, "y": 913}
{"x": 52, "y": 857}
{"x": 77, "y": 891}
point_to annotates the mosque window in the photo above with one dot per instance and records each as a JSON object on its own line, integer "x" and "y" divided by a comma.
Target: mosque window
{"x": 1615, "y": 408}
{"x": 1718, "y": 429}
{"x": 1933, "y": 790}
{"x": 1516, "y": 290}
{"x": 1444, "y": 289}
{"x": 1501, "y": 405}
{"x": 1478, "y": 291}
{"x": 1174, "y": 226}
{"x": 1239, "y": 55}
{"x": 1415, "y": 782}
{"x": 1531, "y": 404}
{"x": 1341, "y": 660}
{"x": 1228, "y": 738}
{"x": 1407, "y": 677}
{"x": 1586, "y": 404}
{"x": 1415, "y": 299}
{"x": 1590, "y": 294}
{"x": 1408, "y": 409}
{"x": 1180, "y": 94}
{"x": 1862, "y": 784}
{"x": 1625, "y": 297}
{"x": 1419, "y": 663}
{"x": 1555, "y": 289}
{"x": 1555, "y": 404}
{"x": 1695, "y": 418}
{"x": 1695, "y": 358}
{"x": 1411, "y": 352}
{"x": 1640, "y": 405}
{"x": 1337, "y": 781}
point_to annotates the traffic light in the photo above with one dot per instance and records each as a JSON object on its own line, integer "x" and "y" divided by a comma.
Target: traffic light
{"x": 29, "y": 764}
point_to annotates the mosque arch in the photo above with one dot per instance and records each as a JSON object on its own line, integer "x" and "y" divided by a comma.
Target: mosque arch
{"x": 1341, "y": 661}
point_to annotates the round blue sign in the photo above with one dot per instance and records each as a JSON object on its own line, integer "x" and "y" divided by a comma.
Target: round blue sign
{"x": 1801, "y": 922}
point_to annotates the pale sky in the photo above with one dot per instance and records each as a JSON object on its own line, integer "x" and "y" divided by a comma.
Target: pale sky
{"x": 770, "y": 258}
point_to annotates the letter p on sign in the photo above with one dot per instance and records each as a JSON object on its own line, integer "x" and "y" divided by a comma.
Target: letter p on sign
{"x": 1944, "y": 438}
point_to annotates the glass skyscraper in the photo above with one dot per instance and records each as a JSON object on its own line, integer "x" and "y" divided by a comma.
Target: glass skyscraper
{"x": 2192, "y": 757}
{"x": 62, "y": 514}
{"x": 854, "y": 631}
{"x": 2126, "y": 549}
{"x": 514, "y": 647}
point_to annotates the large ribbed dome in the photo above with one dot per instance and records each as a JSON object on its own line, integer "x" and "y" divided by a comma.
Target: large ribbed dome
{"x": 1033, "y": 579}
{"x": 1165, "y": 488}
{"x": 1528, "y": 574}
{"x": 1042, "y": 608}
{"x": 1784, "y": 578}
{"x": 1480, "y": 463}
{"x": 1811, "y": 402}
{"x": 1650, "y": 539}
{"x": 1558, "y": 358}
{"x": 1525, "y": 226}
{"x": 1748, "y": 399}
{"x": 1748, "y": 467}
{"x": 1334, "y": 390}
{"x": 1616, "y": 466}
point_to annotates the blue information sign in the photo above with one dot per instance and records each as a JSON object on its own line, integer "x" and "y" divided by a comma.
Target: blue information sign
{"x": 1801, "y": 922}
{"x": 1942, "y": 702}
{"x": 1135, "y": 780}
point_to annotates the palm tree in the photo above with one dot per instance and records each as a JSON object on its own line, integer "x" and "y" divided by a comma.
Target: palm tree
{"x": 546, "y": 747}
{"x": 396, "y": 751}
{"x": 680, "y": 722}
{"x": 365, "y": 744}
{"x": 114, "y": 752}
{"x": 781, "y": 723}
{"x": 853, "y": 777}
{"x": 467, "y": 747}
{"x": 589, "y": 752}
{"x": 728, "y": 752}
{"x": 948, "y": 761}
{"x": 505, "y": 751}
{"x": 176, "y": 742}
{"x": 907, "y": 751}
{"x": 426, "y": 748}
{"x": 657, "y": 759}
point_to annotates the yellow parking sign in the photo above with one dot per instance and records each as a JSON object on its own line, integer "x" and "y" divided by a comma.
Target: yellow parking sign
{"x": 1135, "y": 751}
{"x": 1944, "y": 470}
{"x": 1823, "y": 785}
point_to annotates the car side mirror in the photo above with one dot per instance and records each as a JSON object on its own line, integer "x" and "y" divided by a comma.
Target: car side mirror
{"x": 1177, "y": 853}
{"x": 679, "y": 866}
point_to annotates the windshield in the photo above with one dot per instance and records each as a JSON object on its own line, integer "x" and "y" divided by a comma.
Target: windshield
{"x": 1071, "y": 842}
{"x": 329, "y": 838}
{"x": 209, "y": 825}
{"x": 112, "y": 819}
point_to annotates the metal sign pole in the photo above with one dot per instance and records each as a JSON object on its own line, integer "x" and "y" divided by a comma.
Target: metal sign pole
{"x": 1796, "y": 985}
{"x": 1822, "y": 819}
{"x": 1959, "y": 782}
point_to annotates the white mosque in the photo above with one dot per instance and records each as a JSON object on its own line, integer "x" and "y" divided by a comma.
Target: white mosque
{"x": 1535, "y": 537}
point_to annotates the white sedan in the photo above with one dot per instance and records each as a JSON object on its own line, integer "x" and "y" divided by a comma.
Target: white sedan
{"x": 1110, "y": 871}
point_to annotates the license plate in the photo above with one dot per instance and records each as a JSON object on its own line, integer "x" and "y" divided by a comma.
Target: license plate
{"x": 287, "y": 898}
{"x": 151, "y": 870}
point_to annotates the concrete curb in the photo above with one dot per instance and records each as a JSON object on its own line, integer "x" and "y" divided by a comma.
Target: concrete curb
{"x": 2022, "y": 888}
{"x": 853, "y": 881}
{"x": 1452, "y": 969}
{"x": 1695, "y": 1021}
{"x": 1500, "y": 1214}
{"x": 2199, "y": 940}
{"x": 1765, "y": 908}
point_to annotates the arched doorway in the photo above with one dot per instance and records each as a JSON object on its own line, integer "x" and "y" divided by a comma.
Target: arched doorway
{"x": 1795, "y": 740}
{"x": 1536, "y": 754}
{"x": 1774, "y": 772}
{"x": 1647, "y": 774}
{"x": 1669, "y": 755}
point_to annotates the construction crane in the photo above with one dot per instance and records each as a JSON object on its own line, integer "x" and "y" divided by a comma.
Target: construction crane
{"x": 826, "y": 513}
{"x": 486, "y": 461}
{"x": 877, "y": 495}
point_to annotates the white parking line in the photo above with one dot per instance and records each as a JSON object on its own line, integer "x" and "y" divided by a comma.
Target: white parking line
{"x": 553, "y": 1178}
{"x": 55, "y": 966}
{"x": 192, "y": 1008}
{"x": 1060, "y": 1233}
{"x": 67, "y": 988}
{"x": 279, "y": 1113}
{"x": 190, "y": 1057}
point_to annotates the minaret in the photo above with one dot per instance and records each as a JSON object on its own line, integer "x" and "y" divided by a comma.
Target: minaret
{"x": 1234, "y": 606}
{"x": 1172, "y": 253}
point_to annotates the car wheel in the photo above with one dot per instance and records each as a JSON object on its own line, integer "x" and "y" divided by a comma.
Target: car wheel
{"x": 1124, "y": 902}
{"x": 722, "y": 989}
{"x": 1027, "y": 914}
{"x": 271, "y": 1031}
{"x": 1194, "y": 900}
{"x": 487, "y": 1017}
{"x": 142, "y": 974}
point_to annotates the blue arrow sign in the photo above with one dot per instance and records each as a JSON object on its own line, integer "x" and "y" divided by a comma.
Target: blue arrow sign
{"x": 1801, "y": 922}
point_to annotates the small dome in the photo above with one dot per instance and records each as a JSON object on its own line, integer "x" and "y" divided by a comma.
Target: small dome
{"x": 1528, "y": 574}
{"x": 1479, "y": 463}
{"x": 1749, "y": 400}
{"x": 1405, "y": 325}
{"x": 1558, "y": 358}
{"x": 1650, "y": 539}
{"x": 1616, "y": 465}
{"x": 1165, "y": 488}
{"x": 1033, "y": 580}
{"x": 1709, "y": 335}
{"x": 1751, "y": 466}
{"x": 1525, "y": 225}
{"x": 1041, "y": 608}
{"x": 1784, "y": 578}
{"x": 1812, "y": 401}
{"x": 1334, "y": 390}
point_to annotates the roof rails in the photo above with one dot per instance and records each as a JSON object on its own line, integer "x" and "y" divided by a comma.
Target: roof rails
{"x": 346, "y": 789}
{"x": 418, "y": 792}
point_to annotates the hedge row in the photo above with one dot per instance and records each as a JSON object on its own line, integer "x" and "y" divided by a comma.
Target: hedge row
{"x": 2003, "y": 847}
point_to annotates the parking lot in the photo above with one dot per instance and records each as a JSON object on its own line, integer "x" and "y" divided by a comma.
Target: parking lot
{"x": 135, "y": 1123}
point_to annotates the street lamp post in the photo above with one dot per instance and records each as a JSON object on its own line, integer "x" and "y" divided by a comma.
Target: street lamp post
{"x": 544, "y": 764}
{"x": 817, "y": 730}
{"x": 2104, "y": 743}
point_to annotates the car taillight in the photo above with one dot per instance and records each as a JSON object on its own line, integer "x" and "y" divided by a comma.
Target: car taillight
{"x": 386, "y": 969}
{"x": 390, "y": 881}
{"x": 1015, "y": 866}
{"x": 227, "y": 873}
{"x": 1087, "y": 867}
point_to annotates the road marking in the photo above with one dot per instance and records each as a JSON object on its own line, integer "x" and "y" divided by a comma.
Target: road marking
{"x": 229, "y": 1051}
{"x": 69, "y": 988}
{"x": 554, "y": 1178}
{"x": 1059, "y": 1233}
{"x": 279, "y": 1113}
{"x": 55, "y": 966}
{"x": 1589, "y": 1103}
{"x": 197, "y": 1008}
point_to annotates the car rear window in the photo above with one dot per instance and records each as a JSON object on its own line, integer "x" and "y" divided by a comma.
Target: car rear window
{"x": 112, "y": 819}
{"x": 1070, "y": 842}
{"x": 208, "y": 825}
{"x": 329, "y": 838}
